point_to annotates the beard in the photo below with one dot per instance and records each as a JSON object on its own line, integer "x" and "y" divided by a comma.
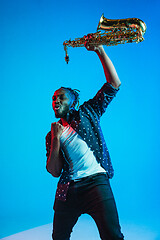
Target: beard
{"x": 62, "y": 111}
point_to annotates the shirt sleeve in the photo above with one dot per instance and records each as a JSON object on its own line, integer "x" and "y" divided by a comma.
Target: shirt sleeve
{"x": 48, "y": 144}
{"x": 101, "y": 100}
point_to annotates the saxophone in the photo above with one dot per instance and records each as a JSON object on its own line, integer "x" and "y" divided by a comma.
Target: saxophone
{"x": 110, "y": 32}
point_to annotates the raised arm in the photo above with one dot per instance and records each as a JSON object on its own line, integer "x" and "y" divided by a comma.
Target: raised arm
{"x": 109, "y": 69}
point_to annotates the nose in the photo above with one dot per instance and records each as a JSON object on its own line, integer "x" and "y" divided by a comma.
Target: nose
{"x": 57, "y": 100}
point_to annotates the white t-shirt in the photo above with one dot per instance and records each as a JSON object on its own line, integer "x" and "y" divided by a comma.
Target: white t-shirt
{"x": 81, "y": 158}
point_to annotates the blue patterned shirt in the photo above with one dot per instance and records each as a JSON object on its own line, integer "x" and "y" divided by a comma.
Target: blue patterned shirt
{"x": 86, "y": 122}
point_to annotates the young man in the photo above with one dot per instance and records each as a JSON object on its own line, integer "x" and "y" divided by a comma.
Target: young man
{"x": 76, "y": 151}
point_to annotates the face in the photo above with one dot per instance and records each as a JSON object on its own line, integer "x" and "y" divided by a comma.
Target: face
{"x": 61, "y": 103}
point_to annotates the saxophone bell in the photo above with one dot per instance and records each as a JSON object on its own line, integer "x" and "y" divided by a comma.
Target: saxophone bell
{"x": 107, "y": 24}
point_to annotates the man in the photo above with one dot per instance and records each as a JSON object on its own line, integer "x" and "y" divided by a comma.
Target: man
{"x": 76, "y": 151}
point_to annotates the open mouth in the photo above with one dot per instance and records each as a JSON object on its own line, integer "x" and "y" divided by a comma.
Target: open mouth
{"x": 57, "y": 108}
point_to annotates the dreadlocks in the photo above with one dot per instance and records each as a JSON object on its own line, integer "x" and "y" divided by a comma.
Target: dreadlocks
{"x": 75, "y": 94}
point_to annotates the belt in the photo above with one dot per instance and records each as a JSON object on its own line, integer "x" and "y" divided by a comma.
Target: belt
{"x": 90, "y": 176}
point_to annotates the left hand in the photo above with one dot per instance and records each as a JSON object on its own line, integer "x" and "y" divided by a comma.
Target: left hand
{"x": 91, "y": 47}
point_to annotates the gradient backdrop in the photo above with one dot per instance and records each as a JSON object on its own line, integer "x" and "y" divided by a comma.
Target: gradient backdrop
{"x": 32, "y": 66}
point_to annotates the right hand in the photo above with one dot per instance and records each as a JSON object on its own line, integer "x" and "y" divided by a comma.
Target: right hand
{"x": 56, "y": 130}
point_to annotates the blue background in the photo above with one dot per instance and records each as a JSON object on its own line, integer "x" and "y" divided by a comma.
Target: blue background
{"x": 32, "y": 67}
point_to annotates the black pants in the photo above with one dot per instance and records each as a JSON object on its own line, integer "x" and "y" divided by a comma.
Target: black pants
{"x": 92, "y": 195}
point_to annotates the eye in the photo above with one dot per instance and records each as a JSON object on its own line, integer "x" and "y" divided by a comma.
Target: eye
{"x": 54, "y": 98}
{"x": 62, "y": 97}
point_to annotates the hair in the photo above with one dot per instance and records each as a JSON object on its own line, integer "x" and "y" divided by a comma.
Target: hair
{"x": 74, "y": 94}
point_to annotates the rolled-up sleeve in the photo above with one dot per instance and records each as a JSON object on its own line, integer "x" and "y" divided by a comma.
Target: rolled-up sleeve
{"x": 102, "y": 99}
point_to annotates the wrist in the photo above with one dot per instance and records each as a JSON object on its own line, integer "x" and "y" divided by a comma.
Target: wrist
{"x": 55, "y": 138}
{"x": 99, "y": 50}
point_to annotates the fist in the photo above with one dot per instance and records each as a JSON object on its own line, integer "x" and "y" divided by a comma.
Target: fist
{"x": 56, "y": 130}
{"x": 91, "y": 47}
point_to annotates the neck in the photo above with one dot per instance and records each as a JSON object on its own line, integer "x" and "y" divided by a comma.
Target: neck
{"x": 64, "y": 122}
{"x": 66, "y": 119}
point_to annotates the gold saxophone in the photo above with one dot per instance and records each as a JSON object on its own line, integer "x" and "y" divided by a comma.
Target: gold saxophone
{"x": 111, "y": 32}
